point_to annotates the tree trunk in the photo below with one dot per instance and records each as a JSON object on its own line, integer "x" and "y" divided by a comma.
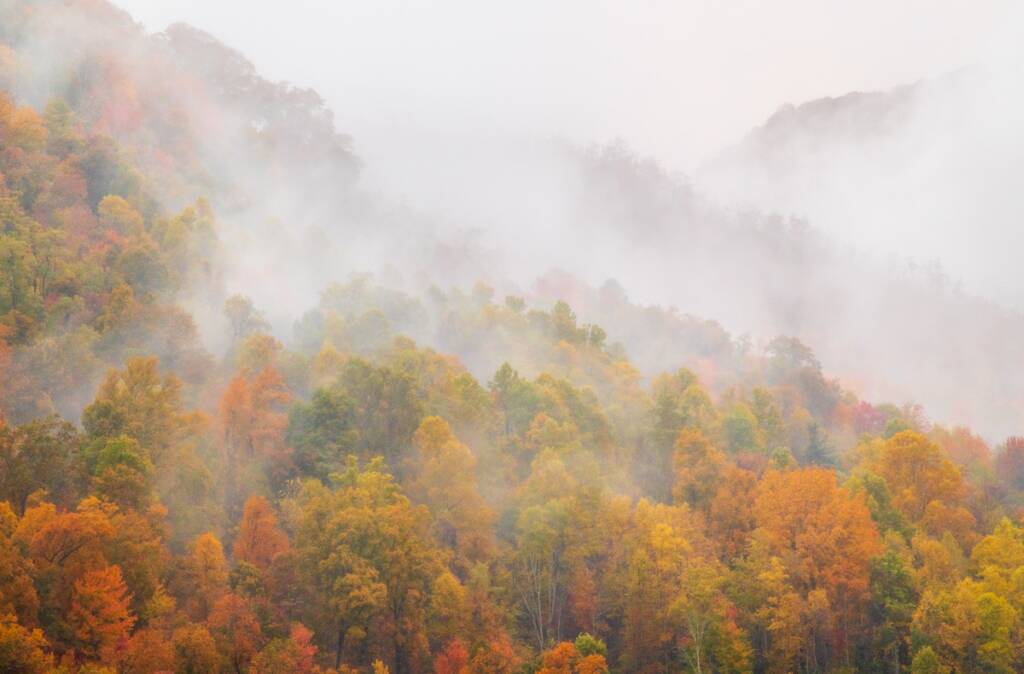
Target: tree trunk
{"x": 341, "y": 644}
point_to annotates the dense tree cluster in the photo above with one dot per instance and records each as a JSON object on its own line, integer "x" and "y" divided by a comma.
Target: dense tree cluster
{"x": 361, "y": 503}
{"x": 358, "y": 498}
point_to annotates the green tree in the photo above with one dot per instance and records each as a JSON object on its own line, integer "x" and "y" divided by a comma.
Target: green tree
{"x": 322, "y": 433}
{"x": 368, "y": 551}
{"x": 387, "y": 409}
{"x": 140, "y": 403}
{"x": 891, "y": 608}
{"x": 122, "y": 472}
{"x": 36, "y": 456}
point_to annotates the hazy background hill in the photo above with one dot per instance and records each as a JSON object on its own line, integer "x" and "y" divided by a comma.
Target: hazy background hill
{"x": 764, "y": 240}
{"x": 926, "y": 170}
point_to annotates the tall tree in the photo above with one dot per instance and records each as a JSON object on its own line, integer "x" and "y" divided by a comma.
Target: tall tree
{"x": 368, "y": 551}
{"x": 206, "y": 574}
{"x": 445, "y": 481}
{"x": 139, "y": 403}
{"x": 259, "y": 538}
{"x": 36, "y": 456}
{"x": 100, "y": 615}
{"x": 698, "y": 467}
{"x": 253, "y": 422}
{"x": 236, "y": 631}
{"x": 826, "y": 539}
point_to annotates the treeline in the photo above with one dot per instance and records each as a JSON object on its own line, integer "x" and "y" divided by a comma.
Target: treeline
{"x": 360, "y": 502}
{"x": 91, "y": 268}
{"x": 352, "y": 501}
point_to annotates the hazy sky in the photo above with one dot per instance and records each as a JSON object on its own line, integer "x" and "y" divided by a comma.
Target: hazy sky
{"x": 445, "y": 100}
{"x": 676, "y": 79}
{"x": 437, "y": 94}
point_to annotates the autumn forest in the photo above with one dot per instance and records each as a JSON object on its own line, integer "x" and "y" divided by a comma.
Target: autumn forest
{"x": 425, "y": 468}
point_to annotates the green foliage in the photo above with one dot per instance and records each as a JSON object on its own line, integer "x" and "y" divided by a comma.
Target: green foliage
{"x": 927, "y": 662}
{"x": 589, "y": 645}
{"x": 39, "y": 455}
{"x": 322, "y": 433}
{"x": 740, "y": 430}
{"x": 385, "y": 408}
{"x": 879, "y": 501}
{"x": 893, "y": 602}
{"x": 368, "y": 551}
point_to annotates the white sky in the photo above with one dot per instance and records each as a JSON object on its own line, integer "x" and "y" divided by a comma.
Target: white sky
{"x": 433, "y": 91}
{"x": 675, "y": 79}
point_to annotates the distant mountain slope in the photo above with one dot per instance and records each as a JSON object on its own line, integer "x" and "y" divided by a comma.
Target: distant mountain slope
{"x": 195, "y": 119}
{"x": 927, "y": 173}
{"x": 927, "y": 170}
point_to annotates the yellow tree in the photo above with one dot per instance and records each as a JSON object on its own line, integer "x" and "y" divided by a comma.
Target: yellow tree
{"x": 698, "y": 468}
{"x": 22, "y": 650}
{"x": 998, "y": 560}
{"x": 926, "y": 487}
{"x": 674, "y": 611}
{"x": 679, "y": 402}
{"x": 971, "y": 630}
{"x": 140, "y": 403}
{"x": 445, "y": 481}
{"x": 711, "y": 639}
{"x": 206, "y": 572}
{"x": 117, "y": 214}
{"x": 369, "y": 552}
{"x": 194, "y": 650}
{"x": 826, "y": 539}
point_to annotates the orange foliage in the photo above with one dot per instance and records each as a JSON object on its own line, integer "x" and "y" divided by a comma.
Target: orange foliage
{"x": 565, "y": 659}
{"x": 259, "y": 539}
{"x": 99, "y": 614}
{"x": 559, "y": 660}
{"x": 454, "y": 659}
{"x": 149, "y": 652}
{"x": 962, "y": 446}
{"x": 253, "y": 422}
{"x": 592, "y": 664}
{"x": 918, "y": 473}
{"x": 250, "y": 412}
{"x": 236, "y": 630}
{"x": 825, "y": 534}
{"x": 294, "y": 655}
{"x": 494, "y": 657}
{"x": 731, "y": 517}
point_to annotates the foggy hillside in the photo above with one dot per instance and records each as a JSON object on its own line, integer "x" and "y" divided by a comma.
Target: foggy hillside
{"x": 924, "y": 170}
{"x": 284, "y": 182}
{"x": 280, "y": 399}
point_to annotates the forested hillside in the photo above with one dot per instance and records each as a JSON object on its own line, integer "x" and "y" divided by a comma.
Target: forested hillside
{"x": 921, "y": 167}
{"x": 230, "y": 443}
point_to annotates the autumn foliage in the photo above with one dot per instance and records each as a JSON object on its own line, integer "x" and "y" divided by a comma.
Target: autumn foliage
{"x": 345, "y": 499}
